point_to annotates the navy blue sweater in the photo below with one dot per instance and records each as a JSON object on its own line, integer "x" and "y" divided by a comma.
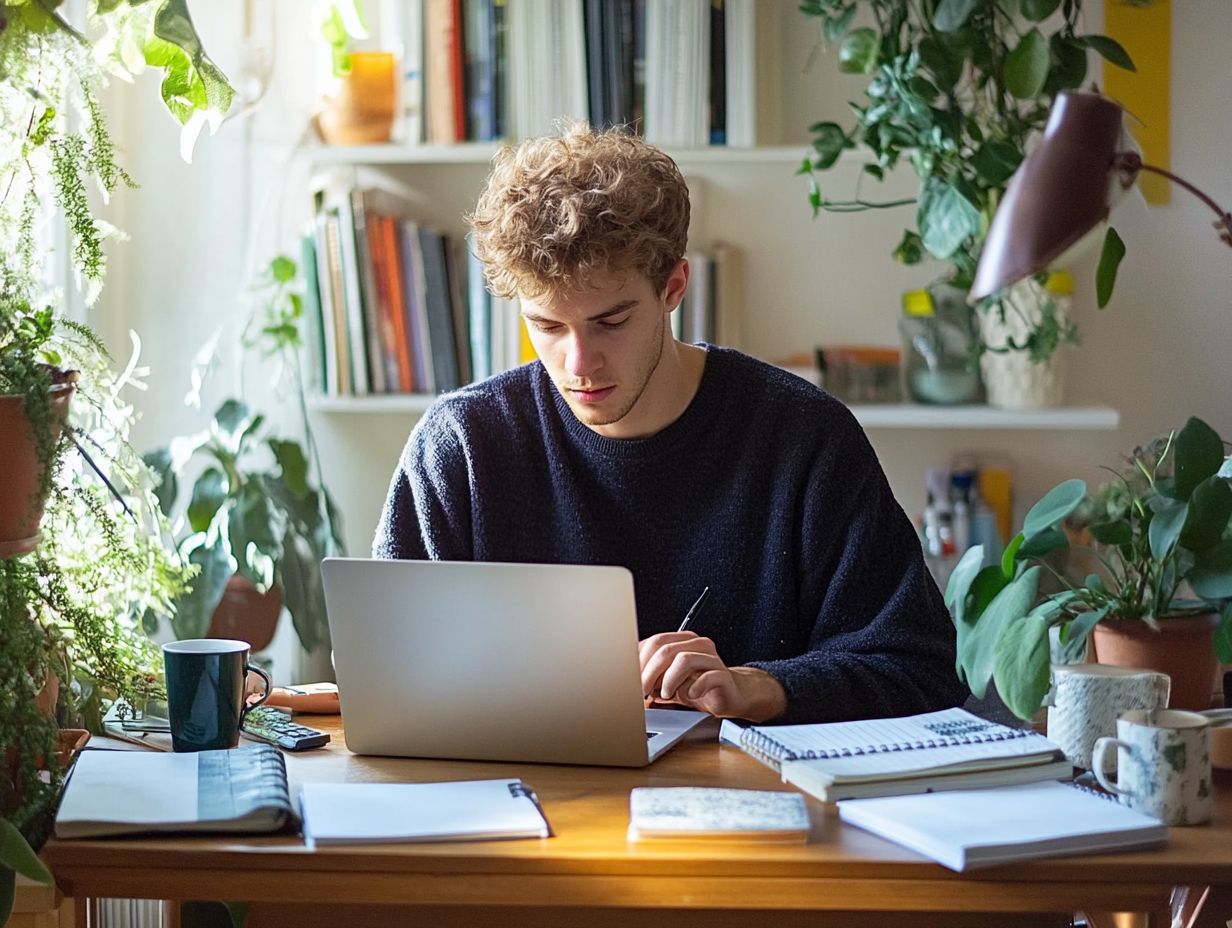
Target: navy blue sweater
{"x": 766, "y": 489}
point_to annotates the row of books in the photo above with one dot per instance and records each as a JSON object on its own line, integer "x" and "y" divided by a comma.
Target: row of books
{"x": 482, "y": 70}
{"x": 397, "y": 306}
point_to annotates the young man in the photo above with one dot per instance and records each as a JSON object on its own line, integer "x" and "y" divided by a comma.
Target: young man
{"x": 693, "y": 466}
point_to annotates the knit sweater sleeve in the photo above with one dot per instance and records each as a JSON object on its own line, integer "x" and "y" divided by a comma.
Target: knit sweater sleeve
{"x": 427, "y": 512}
{"x": 882, "y": 643}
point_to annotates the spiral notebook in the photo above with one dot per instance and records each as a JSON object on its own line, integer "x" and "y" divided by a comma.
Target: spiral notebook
{"x": 133, "y": 792}
{"x": 981, "y": 828}
{"x": 949, "y": 749}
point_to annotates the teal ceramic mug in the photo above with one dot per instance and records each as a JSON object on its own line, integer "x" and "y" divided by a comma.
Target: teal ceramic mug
{"x": 205, "y": 692}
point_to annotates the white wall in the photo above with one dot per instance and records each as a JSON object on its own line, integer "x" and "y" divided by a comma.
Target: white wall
{"x": 1158, "y": 353}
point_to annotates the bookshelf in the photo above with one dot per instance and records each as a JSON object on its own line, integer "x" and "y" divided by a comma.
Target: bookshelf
{"x": 804, "y": 281}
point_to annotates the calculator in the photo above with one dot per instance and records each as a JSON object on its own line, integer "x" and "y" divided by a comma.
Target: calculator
{"x": 266, "y": 723}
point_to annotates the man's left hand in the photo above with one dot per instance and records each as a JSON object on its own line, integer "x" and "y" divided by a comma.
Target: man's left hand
{"x": 682, "y": 668}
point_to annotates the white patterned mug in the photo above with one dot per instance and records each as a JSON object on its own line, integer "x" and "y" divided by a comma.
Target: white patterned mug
{"x": 1163, "y": 764}
{"x": 1088, "y": 699}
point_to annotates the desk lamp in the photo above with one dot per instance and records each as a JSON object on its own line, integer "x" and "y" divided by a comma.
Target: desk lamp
{"x": 1065, "y": 189}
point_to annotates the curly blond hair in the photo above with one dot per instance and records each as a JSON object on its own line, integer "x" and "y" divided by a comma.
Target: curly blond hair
{"x": 557, "y": 210}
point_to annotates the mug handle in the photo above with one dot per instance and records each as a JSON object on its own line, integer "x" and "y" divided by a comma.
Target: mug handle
{"x": 1097, "y": 762}
{"x": 269, "y": 686}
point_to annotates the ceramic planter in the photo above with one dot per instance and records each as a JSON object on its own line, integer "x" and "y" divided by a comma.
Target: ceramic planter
{"x": 21, "y": 505}
{"x": 1182, "y": 649}
{"x": 244, "y": 614}
{"x": 362, "y": 111}
{"x": 1011, "y": 379}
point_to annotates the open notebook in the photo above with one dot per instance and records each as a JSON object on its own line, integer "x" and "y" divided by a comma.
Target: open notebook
{"x": 982, "y": 827}
{"x": 949, "y": 749}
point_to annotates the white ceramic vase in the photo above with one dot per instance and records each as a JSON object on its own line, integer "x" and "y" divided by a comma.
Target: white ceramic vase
{"x": 1011, "y": 379}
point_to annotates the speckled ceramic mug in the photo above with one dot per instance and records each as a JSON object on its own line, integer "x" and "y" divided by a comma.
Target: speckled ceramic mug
{"x": 1163, "y": 764}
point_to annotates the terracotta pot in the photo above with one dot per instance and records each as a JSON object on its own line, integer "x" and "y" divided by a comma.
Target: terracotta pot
{"x": 21, "y": 506}
{"x": 362, "y": 111}
{"x": 1182, "y": 649}
{"x": 244, "y": 614}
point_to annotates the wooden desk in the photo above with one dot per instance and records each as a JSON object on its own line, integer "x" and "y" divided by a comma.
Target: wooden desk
{"x": 588, "y": 874}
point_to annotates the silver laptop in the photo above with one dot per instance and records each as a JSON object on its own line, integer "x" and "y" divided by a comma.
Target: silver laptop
{"x": 486, "y": 661}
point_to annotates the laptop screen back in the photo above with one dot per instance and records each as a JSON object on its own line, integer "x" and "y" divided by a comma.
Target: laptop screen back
{"x": 485, "y": 661}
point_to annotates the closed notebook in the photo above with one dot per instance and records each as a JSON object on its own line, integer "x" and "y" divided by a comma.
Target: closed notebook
{"x": 949, "y": 749}
{"x": 133, "y": 792}
{"x": 706, "y": 813}
{"x": 967, "y": 829}
{"x": 397, "y": 813}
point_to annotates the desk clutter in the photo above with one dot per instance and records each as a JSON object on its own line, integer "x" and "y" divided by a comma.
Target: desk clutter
{"x": 961, "y": 790}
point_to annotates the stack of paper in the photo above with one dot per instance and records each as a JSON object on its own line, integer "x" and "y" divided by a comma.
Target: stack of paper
{"x": 966, "y": 829}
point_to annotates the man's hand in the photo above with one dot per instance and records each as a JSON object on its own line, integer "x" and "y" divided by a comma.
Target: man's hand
{"x": 682, "y": 668}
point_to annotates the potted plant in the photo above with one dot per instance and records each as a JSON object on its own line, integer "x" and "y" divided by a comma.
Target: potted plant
{"x": 75, "y": 579}
{"x": 957, "y": 88}
{"x": 256, "y": 529}
{"x": 255, "y": 526}
{"x": 1161, "y": 547}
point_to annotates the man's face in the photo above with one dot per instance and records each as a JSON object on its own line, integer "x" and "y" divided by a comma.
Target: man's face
{"x": 602, "y": 346}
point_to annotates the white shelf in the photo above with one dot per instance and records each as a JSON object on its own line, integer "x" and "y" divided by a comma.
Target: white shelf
{"x": 482, "y": 152}
{"x": 918, "y": 416}
{"x": 881, "y": 416}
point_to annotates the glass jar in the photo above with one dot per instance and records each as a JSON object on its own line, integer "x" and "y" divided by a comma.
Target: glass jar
{"x": 940, "y": 336}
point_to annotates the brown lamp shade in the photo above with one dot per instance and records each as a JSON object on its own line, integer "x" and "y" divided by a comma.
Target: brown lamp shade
{"x": 1059, "y": 194}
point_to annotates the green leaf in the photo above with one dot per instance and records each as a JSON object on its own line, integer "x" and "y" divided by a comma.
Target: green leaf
{"x": 945, "y": 218}
{"x": 1069, "y": 65}
{"x": 301, "y": 586}
{"x": 1223, "y": 636}
{"x": 293, "y": 463}
{"x": 17, "y": 855}
{"x": 1109, "y": 261}
{"x": 1108, "y": 49}
{"x": 1199, "y": 454}
{"x": 230, "y": 418}
{"x": 836, "y": 26}
{"x": 1010, "y": 554}
{"x": 1210, "y": 508}
{"x": 1166, "y": 527}
{"x": 857, "y": 54}
{"x": 1081, "y": 627}
{"x": 208, "y": 495}
{"x": 1113, "y": 533}
{"x": 256, "y": 530}
{"x": 167, "y": 489}
{"x": 1021, "y": 663}
{"x": 282, "y": 269}
{"x": 829, "y": 140}
{"x": 961, "y": 578}
{"x": 194, "y": 609}
{"x": 1026, "y": 67}
{"x": 209, "y": 89}
{"x": 952, "y": 15}
{"x": 943, "y": 61}
{"x": 1055, "y": 506}
{"x": 1211, "y": 576}
{"x": 978, "y": 649}
{"x": 996, "y": 161}
{"x": 1044, "y": 542}
{"x": 1038, "y": 10}
{"x": 910, "y": 250}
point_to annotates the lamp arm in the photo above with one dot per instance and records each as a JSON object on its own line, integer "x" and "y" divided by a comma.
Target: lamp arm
{"x": 1132, "y": 163}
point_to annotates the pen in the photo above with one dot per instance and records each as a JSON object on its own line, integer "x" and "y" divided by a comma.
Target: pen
{"x": 693, "y": 611}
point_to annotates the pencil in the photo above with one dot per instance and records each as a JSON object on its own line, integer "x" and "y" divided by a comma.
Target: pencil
{"x": 693, "y": 611}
